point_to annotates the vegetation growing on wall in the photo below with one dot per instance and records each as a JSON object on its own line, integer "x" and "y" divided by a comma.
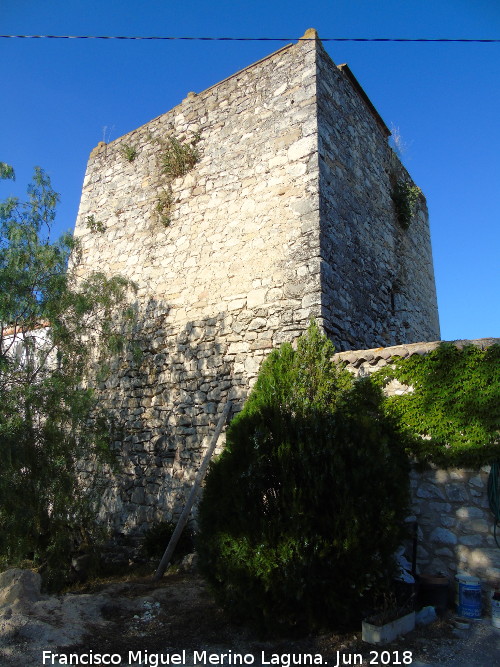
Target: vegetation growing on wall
{"x": 164, "y": 205}
{"x": 302, "y": 512}
{"x": 129, "y": 152}
{"x": 51, "y": 330}
{"x": 453, "y": 413}
{"x": 405, "y": 196}
{"x": 175, "y": 159}
{"x": 95, "y": 226}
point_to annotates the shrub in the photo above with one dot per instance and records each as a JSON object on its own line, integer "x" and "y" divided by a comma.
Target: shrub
{"x": 176, "y": 158}
{"x": 303, "y": 510}
{"x": 405, "y": 197}
{"x": 55, "y": 327}
{"x": 129, "y": 152}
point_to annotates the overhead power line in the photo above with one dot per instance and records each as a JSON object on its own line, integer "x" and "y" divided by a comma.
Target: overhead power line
{"x": 257, "y": 39}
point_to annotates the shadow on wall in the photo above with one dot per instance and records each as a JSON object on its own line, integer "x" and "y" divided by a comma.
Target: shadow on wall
{"x": 456, "y": 525}
{"x": 164, "y": 394}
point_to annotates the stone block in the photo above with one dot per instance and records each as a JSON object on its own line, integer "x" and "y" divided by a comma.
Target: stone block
{"x": 252, "y": 365}
{"x": 441, "y": 476}
{"x": 441, "y": 508}
{"x": 444, "y": 551}
{"x": 138, "y": 496}
{"x": 302, "y": 148}
{"x": 478, "y": 482}
{"x": 470, "y": 540}
{"x": 458, "y": 474}
{"x": 477, "y": 526}
{"x": 428, "y": 490}
{"x": 257, "y": 323}
{"x": 448, "y": 521}
{"x": 443, "y": 536}
{"x": 237, "y": 304}
{"x": 262, "y": 344}
{"x": 456, "y": 493}
{"x": 256, "y": 298}
{"x": 311, "y": 300}
{"x": 465, "y": 513}
{"x": 484, "y": 558}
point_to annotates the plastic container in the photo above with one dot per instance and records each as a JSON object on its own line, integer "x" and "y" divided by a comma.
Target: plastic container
{"x": 495, "y": 611}
{"x": 469, "y": 604}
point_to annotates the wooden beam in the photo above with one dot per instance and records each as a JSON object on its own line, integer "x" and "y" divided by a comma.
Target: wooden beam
{"x": 192, "y": 496}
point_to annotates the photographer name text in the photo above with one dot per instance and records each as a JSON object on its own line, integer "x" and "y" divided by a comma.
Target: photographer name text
{"x": 206, "y": 658}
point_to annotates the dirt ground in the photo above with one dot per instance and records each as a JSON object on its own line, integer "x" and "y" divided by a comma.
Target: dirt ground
{"x": 179, "y": 614}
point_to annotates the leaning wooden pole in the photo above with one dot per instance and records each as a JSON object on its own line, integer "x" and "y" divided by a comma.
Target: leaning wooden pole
{"x": 192, "y": 496}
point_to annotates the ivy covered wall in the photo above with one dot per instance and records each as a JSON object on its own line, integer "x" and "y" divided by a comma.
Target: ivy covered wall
{"x": 447, "y": 397}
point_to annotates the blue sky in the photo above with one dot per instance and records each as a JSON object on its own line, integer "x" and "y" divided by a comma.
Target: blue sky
{"x": 61, "y": 97}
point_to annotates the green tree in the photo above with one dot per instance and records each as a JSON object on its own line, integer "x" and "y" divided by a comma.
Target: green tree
{"x": 53, "y": 328}
{"x": 302, "y": 512}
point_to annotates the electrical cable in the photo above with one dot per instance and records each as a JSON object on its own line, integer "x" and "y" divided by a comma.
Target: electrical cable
{"x": 494, "y": 496}
{"x": 259, "y": 39}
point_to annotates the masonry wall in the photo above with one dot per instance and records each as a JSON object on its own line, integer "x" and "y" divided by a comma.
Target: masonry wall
{"x": 233, "y": 275}
{"x": 286, "y": 216}
{"x": 377, "y": 277}
{"x": 451, "y": 507}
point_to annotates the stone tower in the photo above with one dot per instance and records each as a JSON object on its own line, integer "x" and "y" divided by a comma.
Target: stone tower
{"x": 284, "y": 212}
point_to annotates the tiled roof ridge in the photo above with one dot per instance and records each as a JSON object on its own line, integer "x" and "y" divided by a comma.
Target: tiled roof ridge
{"x": 376, "y": 354}
{"x": 20, "y": 329}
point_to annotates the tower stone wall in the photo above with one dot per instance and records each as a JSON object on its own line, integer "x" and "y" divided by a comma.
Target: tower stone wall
{"x": 286, "y": 215}
{"x": 377, "y": 277}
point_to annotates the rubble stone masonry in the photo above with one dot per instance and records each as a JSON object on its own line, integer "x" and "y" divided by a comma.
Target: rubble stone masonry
{"x": 286, "y": 216}
{"x": 456, "y": 528}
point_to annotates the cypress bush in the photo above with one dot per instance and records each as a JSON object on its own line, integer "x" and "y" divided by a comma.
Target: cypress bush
{"x": 302, "y": 512}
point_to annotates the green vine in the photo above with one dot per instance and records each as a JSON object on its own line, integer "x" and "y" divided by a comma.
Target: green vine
{"x": 452, "y": 415}
{"x": 405, "y": 197}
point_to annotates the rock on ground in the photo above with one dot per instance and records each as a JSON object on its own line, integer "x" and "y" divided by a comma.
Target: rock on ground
{"x": 31, "y": 622}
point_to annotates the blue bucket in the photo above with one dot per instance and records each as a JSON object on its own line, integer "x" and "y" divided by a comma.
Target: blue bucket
{"x": 469, "y": 603}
